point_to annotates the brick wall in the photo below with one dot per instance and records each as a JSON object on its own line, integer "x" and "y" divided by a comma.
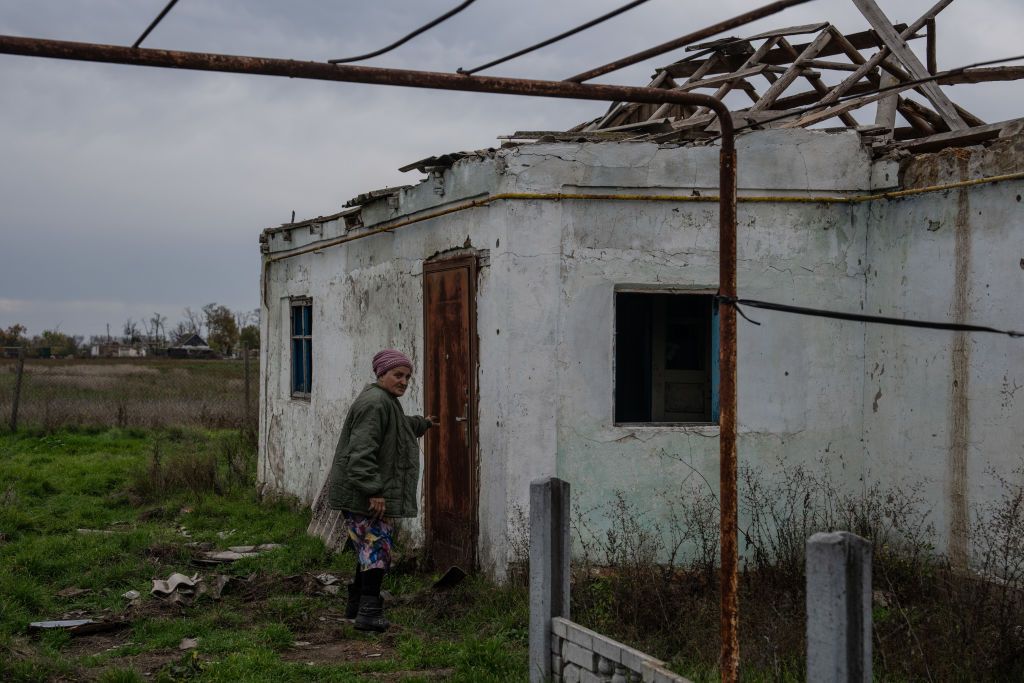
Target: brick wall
{"x": 580, "y": 655}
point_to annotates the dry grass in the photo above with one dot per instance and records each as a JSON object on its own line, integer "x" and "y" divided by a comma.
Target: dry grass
{"x": 932, "y": 621}
{"x": 146, "y": 393}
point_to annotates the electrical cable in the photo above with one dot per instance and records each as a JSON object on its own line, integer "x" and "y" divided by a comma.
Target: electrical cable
{"x": 859, "y": 317}
{"x": 554, "y": 39}
{"x": 426, "y": 27}
{"x": 152, "y": 25}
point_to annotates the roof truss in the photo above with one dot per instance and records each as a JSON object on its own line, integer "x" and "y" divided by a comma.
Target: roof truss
{"x": 842, "y": 74}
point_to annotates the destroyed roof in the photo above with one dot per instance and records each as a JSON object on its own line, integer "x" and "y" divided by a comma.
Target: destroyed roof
{"x": 842, "y": 73}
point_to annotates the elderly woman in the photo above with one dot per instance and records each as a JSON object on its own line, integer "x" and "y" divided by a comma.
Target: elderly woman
{"x": 373, "y": 480}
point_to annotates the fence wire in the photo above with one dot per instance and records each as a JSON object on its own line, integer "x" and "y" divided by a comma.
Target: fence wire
{"x": 129, "y": 393}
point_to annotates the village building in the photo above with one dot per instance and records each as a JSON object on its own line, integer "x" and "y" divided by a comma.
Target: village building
{"x": 558, "y": 297}
{"x": 191, "y": 346}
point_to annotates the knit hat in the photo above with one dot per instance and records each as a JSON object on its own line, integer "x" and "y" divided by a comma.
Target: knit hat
{"x": 389, "y": 359}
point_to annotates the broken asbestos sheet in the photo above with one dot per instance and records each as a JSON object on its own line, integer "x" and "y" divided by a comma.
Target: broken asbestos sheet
{"x": 235, "y": 552}
{"x": 178, "y": 588}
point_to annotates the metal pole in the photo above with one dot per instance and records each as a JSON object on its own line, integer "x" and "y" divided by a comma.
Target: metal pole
{"x": 730, "y": 655}
{"x": 17, "y": 388}
{"x": 200, "y": 61}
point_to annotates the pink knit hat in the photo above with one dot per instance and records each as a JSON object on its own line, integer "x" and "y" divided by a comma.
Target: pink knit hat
{"x": 389, "y": 359}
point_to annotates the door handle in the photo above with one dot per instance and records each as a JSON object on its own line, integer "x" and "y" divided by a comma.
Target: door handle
{"x": 465, "y": 419}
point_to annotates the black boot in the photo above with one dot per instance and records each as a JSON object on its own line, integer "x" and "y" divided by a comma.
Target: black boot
{"x": 352, "y": 606}
{"x": 371, "y": 614}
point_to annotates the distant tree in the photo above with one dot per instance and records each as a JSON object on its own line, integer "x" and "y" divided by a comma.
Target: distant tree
{"x": 180, "y": 331}
{"x": 60, "y": 344}
{"x": 249, "y": 336}
{"x": 153, "y": 327}
{"x": 13, "y": 336}
{"x": 194, "y": 321}
{"x": 158, "y": 327}
{"x": 131, "y": 332}
{"x": 222, "y": 335}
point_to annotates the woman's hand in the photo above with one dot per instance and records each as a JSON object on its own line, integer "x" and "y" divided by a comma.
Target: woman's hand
{"x": 434, "y": 422}
{"x": 377, "y": 507}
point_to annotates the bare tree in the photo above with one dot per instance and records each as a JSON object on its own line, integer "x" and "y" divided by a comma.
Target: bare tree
{"x": 131, "y": 331}
{"x": 194, "y": 321}
{"x": 158, "y": 323}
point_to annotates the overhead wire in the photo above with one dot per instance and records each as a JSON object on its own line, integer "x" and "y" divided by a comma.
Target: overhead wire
{"x": 153, "y": 24}
{"x": 554, "y": 39}
{"x": 401, "y": 41}
{"x": 688, "y": 39}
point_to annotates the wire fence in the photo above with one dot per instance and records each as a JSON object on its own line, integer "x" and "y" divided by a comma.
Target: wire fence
{"x": 49, "y": 394}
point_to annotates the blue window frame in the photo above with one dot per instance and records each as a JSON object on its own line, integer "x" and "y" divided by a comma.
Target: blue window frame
{"x": 666, "y": 357}
{"x": 302, "y": 347}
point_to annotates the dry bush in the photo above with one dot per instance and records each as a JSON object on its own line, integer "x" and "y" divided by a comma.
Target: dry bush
{"x": 654, "y": 583}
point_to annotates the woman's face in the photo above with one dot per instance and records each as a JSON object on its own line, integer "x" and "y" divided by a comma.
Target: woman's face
{"x": 396, "y": 380}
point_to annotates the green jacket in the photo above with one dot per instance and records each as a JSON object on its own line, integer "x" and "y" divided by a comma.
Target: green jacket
{"x": 377, "y": 456}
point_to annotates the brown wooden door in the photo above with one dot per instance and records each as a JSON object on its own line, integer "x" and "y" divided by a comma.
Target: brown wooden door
{"x": 450, "y": 474}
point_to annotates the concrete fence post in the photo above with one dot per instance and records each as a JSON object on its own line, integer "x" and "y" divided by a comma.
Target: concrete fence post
{"x": 838, "y": 608}
{"x": 549, "y": 569}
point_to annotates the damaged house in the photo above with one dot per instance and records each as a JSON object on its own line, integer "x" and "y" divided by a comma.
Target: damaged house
{"x": 557, "y": 295}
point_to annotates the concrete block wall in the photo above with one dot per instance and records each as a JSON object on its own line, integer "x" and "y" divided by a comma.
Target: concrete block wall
{"x": 579, "y": 655}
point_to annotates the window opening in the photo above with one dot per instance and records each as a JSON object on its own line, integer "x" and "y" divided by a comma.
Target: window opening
{"x": 666, "y": 357}
{"x": 302, "y": 347}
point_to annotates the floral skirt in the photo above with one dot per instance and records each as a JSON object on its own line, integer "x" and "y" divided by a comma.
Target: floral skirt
{"x": 372, "y": 538}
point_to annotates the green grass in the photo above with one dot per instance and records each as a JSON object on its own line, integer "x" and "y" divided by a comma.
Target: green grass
{"x": 54, "y": 484}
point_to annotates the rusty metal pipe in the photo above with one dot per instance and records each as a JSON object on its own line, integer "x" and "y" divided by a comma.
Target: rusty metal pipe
{"x": 199, "y": 61}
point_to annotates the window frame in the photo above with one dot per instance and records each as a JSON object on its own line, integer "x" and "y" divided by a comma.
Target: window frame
{"x": 714, "y": 375}
{"x": 304, "y": 337}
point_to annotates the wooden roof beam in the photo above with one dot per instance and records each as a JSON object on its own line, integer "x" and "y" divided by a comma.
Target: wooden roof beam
{"x": 895, "y": 42}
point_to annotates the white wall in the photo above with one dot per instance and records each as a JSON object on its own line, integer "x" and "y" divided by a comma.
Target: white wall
{"x": 945, "y": 415}
{"x": 546, "y": 324}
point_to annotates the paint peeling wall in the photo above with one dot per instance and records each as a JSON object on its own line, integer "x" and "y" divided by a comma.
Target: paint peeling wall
{"x": 862, "y": 403}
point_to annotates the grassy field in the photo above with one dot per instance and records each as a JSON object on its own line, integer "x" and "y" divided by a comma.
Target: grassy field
{"x": 141, "y": 497}
{"x": 128, "y": 392}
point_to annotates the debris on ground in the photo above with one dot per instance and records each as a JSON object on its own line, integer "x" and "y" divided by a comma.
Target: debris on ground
{"x": 452, "y": 577}
{"x": 178, "y": 588}
{"x": 77, "y": 626}
{"x": 188, "y": 643}
{"x": 73, "y": 592}
{"x": 234, "y": 553}
{"x": 134, "y": 598}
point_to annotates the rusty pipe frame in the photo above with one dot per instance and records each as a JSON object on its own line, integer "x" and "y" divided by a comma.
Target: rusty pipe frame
{"x": 200, "y": 61}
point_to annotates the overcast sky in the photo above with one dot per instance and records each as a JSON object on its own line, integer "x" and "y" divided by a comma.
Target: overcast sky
{"x": 128, "y": 190}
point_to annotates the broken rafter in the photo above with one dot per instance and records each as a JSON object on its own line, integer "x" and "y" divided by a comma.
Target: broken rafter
{"x": 895, "y": 42}
{"x": 868, "y": 67}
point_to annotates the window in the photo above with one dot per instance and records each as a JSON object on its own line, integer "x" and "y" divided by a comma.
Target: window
{"x": 302, "y": 347}
{"x": 666, "y": 357}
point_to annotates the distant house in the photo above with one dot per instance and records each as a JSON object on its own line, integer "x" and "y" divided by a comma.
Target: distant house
{"x": 191, "y": 346}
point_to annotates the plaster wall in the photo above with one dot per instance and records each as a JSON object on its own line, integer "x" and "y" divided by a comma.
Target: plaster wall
{"x": 944, "y": 410}
{"x": 545, "y": 307}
